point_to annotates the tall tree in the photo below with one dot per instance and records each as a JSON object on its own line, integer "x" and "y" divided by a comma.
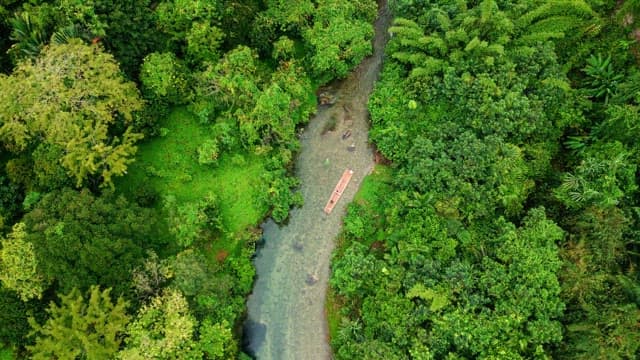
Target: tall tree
{"x": 18, "y": 265}
{"x": 73, "y": 96}
{"x": 81, "y": 328}
{"x": 82, "y": 240}
{"x": 163, "y": 329}
{"x": 340, "y": 37}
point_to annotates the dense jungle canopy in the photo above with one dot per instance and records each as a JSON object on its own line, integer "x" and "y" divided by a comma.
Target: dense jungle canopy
{"x": 142, "y": 142}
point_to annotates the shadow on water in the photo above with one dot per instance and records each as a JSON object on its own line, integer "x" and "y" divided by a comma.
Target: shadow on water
{"x": 285, "y": 312}
{"x": 254, "y": 334}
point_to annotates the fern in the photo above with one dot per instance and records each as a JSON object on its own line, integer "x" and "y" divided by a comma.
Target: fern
{"x": 410, "y": 58}
{"x": 487, "y": 10}
{"x": 476, "y": 43}
{"x": 540, "y": 37}
{"x": 456, "y": 36}
{"x": 65, "y": 34}
{"x": 579, "y": 9}
{"x": 557, "y": 24}
{"x": 433, "y": 44}
{"x": 29, "y": 39}
{"x": 407, "y": 28}
{"x": 555, "y": 19}
{"x": 557, "y": 83}
{"x": 443, "y": 20}
{"x": 429, "y": 67}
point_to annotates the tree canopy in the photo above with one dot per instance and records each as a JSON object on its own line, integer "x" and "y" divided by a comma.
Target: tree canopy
{"x": 85, "y": 98}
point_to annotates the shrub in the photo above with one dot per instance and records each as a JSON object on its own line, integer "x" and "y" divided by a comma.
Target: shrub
{"x": 163, "y": 78}
{"x": 208, "y": 152}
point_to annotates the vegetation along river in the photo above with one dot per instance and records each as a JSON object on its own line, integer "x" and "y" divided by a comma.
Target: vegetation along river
{"x": 286, "y": 317}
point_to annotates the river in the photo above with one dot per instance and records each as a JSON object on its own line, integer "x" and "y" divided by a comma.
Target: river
{"x": 286, "y": 318}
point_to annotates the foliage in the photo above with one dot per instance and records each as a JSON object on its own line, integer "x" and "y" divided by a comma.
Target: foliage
{"x": 70, "y": 118}
{"x": 280, "y": 195}
{"x": 216, "y": 341}
{"x": 602, "y": 178}
{"x": 458, "y": 259}
{"x": 188, "y": 221}
{"x": 339, "y": 38}
{"x": 208, "y": 152}
{"x": 79, "y": 328}
{"x": 174, "y": 156}
{"x": 49, "y": 172}
{"x": 14, "y": 314}
{"x": 162, "y": 329}
{"x": 85, "y": 98}
{"x": 203, "y": 43}
{"x": 602, "y": 77}
{"x": 163, "y": 78}
{"x": 132, "y": 32}
{"x": 28, "y": 37}
{"x": 11, "y": 199}
{"x": 18, "y": 265}
{"x": 151, "y": 277}
{"x": 80, "y": 240}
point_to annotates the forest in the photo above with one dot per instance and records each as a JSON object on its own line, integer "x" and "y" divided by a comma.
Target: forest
{"x": 142, "y": 142}
{"x": 504, "y": 223}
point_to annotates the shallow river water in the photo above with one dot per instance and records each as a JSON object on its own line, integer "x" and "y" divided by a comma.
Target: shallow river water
{"x": 286, "y": 318}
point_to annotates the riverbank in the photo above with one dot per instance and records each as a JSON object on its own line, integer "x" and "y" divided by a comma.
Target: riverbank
{"x": 286, "y": 318}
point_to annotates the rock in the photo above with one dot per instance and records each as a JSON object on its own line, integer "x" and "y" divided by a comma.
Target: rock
{"x": 297, "y": 246}
{"x": 326, "y": 98}
{"x": 346, "y": 134}
{"x": 311, "y": 279}
{"x": 351, "y": 148}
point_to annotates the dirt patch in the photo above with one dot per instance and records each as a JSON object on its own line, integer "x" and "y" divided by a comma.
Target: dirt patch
{"x": 221, "y": 255}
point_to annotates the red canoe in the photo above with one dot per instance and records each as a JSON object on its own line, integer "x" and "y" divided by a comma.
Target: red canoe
{"x": 337, "y": 192}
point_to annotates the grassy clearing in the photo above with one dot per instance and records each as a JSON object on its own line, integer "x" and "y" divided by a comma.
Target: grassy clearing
{"x": 373, "y": 185}
{"x": 168, "y": 165}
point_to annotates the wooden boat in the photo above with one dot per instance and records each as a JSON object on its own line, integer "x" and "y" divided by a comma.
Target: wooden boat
{"x": 338, "y": 190}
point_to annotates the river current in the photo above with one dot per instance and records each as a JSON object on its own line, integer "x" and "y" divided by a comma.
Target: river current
{"x": 286, "y": 318}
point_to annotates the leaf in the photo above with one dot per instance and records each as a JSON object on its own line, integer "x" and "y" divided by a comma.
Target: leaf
{"x": 438, "y": 300}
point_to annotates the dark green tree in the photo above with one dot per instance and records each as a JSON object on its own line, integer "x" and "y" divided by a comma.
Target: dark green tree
{"x": 81, "y": 240}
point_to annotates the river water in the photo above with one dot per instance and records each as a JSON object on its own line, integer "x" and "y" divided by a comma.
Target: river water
{"x": 286, "y": 318}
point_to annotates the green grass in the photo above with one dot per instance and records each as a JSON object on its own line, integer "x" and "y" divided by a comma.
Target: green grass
{"x": 168, "y": 164}
{"x": 373, "y": 185}
{"x": 332, "y": 309}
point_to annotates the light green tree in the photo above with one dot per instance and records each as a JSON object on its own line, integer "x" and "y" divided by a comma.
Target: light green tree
{"x": 203, "y": 43}
{"x": 338, "y": 40}
{"x": 163, "y": 329}
{"x": 72, "y": 96}
{"x": 80, "y": 329}
{"x": 18, "y": 265}
{"x": 163, "y": 78}
{"x": 216, "y": 340}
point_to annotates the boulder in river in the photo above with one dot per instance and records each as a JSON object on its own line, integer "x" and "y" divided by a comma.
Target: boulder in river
{"x": 311, "y": 279}
{"x": 326, "y": 98}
